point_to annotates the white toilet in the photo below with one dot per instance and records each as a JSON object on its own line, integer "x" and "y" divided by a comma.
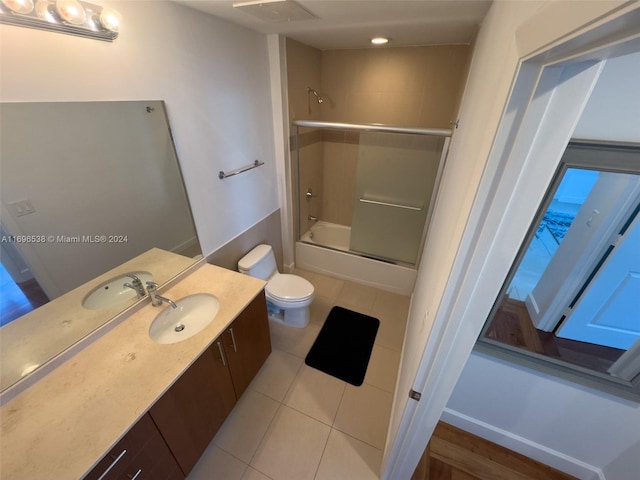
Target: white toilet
{"x": 288, "y": 296}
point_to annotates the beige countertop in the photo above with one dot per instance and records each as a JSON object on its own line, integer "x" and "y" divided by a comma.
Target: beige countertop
{"x": 40, "y": 335}
{"x": 61, "y": 426}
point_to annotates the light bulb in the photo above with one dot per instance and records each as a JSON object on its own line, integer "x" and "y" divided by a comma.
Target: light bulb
{"x": 44, "y": 11}
{"x": 71, "y": 11}
{"x": 379, "y": 40}
{"x": 19, "y": 6}
{"x": 110, "y": 19}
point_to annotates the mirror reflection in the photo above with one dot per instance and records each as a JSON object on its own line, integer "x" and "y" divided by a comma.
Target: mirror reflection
{"x": 86, "y": 188}
{"x": 573, "y": 295}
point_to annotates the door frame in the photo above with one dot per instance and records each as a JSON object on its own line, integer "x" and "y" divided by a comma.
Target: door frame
{"x": 531, "y": 126}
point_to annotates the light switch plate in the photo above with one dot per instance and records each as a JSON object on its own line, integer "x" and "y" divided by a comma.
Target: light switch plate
{"x": 21, "y": 207}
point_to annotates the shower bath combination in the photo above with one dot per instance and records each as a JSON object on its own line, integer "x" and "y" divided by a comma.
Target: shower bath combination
{"x": 372, "y": 222}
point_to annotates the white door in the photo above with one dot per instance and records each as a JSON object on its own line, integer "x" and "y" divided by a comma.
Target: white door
{"x": 608, "y": 312}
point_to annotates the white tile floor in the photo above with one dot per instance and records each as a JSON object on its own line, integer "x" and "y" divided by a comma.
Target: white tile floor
{"x": 297, "y": 423}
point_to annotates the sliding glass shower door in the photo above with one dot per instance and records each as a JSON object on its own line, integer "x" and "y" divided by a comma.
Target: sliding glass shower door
{"x": 395, "y": 178}
{"x": 367, "y": 189}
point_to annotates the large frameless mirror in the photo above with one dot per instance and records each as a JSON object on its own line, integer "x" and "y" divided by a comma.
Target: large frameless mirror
{"x": 572, "y": 297}
{"x": 90, "y": 191}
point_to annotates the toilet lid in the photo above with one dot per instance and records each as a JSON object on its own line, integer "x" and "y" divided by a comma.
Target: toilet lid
{"x": 289, "y": 287}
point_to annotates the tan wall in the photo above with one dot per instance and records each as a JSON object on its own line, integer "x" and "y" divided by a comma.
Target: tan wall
{"x": 408, "y": 86}
{"x": 304, "y": 65}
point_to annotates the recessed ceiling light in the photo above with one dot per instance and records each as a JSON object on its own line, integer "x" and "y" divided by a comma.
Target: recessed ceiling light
{"x": 379, "y": 40}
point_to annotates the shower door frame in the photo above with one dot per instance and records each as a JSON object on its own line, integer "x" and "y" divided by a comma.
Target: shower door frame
{"x": 379, "y": 128}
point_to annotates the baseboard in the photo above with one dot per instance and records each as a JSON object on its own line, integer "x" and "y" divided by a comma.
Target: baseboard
{"x": 536, "y": 451}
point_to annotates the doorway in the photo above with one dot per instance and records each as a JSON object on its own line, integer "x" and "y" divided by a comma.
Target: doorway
{"x": 573, "y": 292}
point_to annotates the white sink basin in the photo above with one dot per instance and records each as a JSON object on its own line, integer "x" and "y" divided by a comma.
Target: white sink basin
{"x": 193, "y": 313}
{"x": 113, "y": 292}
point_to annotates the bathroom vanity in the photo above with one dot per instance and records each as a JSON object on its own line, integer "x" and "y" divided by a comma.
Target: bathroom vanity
{"x": 132, "y": 407}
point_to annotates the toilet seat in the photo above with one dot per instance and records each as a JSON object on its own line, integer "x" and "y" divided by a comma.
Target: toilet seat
{"x": 290, "y": 289}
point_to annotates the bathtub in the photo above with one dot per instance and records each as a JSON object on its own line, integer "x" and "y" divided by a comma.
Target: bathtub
{"x": 324, "y": 248}
{"x": 330, "y": 235}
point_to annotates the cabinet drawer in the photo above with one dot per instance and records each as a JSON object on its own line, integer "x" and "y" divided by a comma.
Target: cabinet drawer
{"x": 142, "y": 448}
{"x": 154, "y": 462}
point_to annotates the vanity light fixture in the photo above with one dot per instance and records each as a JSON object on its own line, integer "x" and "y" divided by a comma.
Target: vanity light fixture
{"x": 73, "y": 17}
{"x": 380, "y": 40}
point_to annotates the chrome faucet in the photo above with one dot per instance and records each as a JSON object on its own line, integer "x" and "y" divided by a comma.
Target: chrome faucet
{"x": 309, "y": 194}
{"x": 135, "y": 284}
{"x": 312, "y": 218}
{"x": 156, "y": 300}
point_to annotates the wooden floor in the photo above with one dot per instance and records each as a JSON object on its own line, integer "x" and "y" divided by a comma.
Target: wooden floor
{"x": 453, "y": 454}
{"x": 512, "y": 325}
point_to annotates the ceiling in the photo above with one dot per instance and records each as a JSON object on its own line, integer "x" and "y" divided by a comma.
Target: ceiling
{"x": 352, "y": 23}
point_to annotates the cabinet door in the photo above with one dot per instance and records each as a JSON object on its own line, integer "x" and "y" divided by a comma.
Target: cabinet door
{"x": 141, "y": 454}
{"x": 247, "y": 343}
{"x": 189, "y": 414}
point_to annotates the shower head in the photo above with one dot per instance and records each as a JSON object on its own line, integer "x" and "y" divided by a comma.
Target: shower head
{"x": 318, "y": 97}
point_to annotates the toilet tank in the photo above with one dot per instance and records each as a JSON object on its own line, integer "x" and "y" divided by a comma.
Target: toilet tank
{"x": 259, "y": 262}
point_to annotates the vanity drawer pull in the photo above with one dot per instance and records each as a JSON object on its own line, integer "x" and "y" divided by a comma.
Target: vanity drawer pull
{"x": 233, "y": 340}
{"x": 221, "y": 353}
{"x": 136, "y": 475}
{"x": 117, "y": 459}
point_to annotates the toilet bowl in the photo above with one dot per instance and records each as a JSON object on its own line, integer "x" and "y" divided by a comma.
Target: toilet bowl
{"x": 288, "y": 296}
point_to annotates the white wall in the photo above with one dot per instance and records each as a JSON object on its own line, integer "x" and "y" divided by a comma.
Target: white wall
{"x": 612, "y": 112}
{"x": 547, "y": 418}
{"x": 511, "y": 31}
{"x": 213, "y": 76}
{"x": 590, "y": 433}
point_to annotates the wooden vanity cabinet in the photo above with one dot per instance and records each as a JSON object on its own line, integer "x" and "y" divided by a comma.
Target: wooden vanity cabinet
{"x": 190, "y": 413}
{"x": 141, "y": 454}
{"x": 247, "y": 343}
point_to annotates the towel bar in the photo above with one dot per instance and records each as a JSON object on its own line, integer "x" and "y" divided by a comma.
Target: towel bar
{"x": 222, "y": 175}
{"x": 396, "y": 205}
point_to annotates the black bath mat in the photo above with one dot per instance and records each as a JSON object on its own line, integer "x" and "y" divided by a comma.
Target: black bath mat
{"x": 344, "y": 345}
